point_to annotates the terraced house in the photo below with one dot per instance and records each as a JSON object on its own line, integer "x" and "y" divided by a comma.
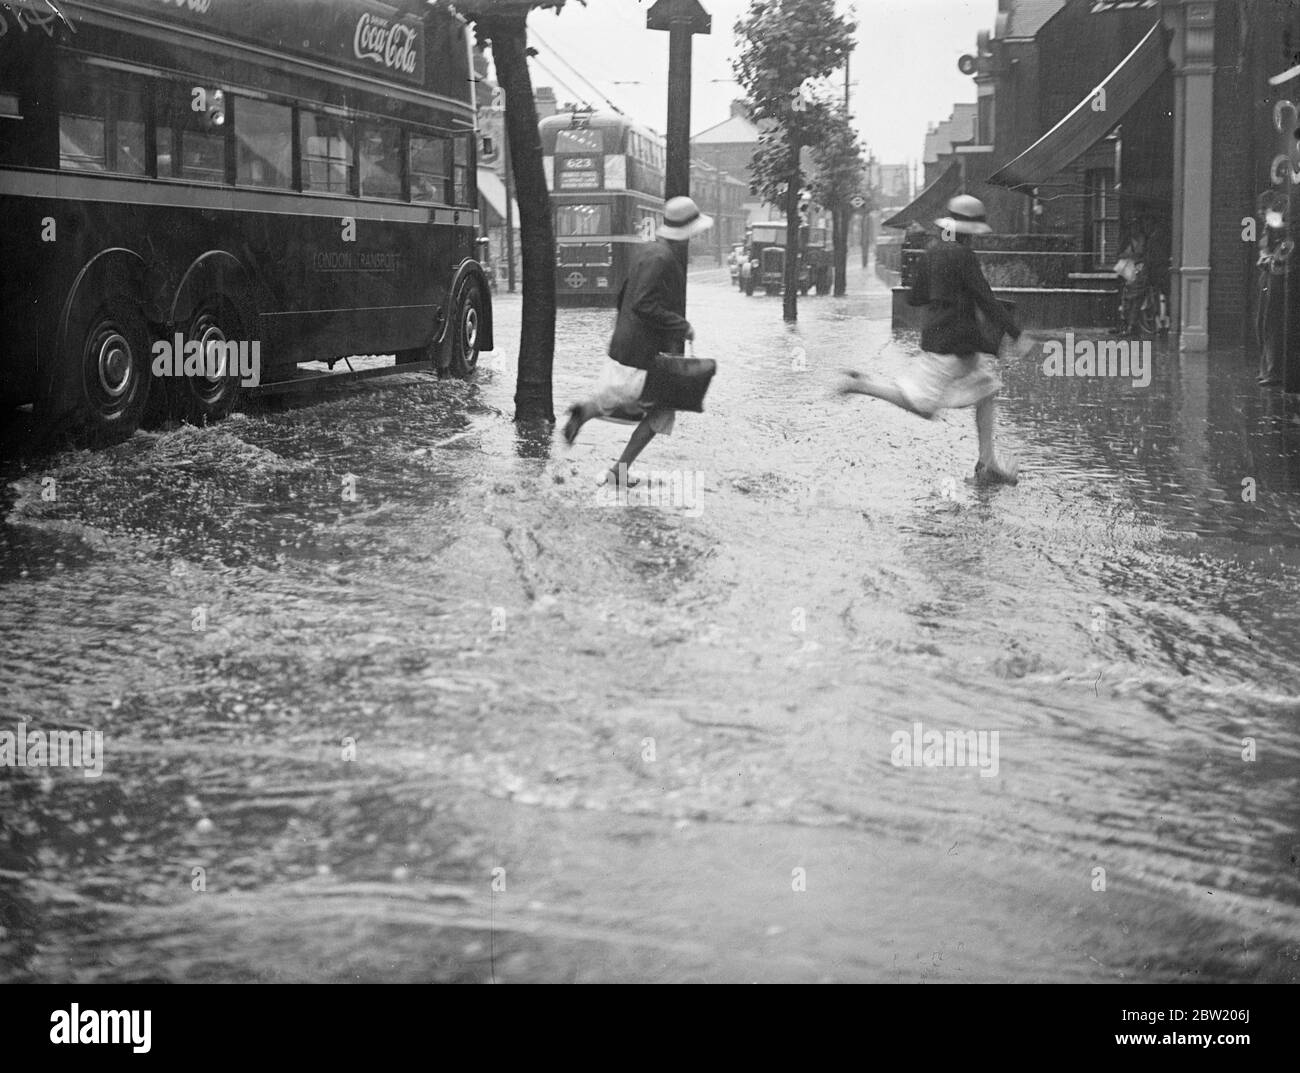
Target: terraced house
{"x": 1098, "y": 117}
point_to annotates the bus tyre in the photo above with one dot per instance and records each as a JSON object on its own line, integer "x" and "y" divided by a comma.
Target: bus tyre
{"x": 204, "y": 398}
{"x": 105, "y": 384}
{"x": 461, "y": 346}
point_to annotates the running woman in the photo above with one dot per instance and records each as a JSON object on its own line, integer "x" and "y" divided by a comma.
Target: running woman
{"x": 650, "y": 322}
{"x": 956, "y": 369}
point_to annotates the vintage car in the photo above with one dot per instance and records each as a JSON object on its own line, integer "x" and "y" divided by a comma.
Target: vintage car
{"x": 764, "y": 264}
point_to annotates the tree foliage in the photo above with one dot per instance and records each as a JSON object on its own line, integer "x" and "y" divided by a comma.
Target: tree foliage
{"x": 839, "y": 174}
{"x": 788, "y": 49}
{"x": 840, "y": 167}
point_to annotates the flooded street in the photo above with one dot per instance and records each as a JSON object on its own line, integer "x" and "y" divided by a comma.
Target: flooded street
{"x": 389, "y": 691}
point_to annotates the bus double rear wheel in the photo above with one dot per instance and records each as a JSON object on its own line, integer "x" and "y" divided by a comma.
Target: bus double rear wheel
{"x": 210, "y": 395}
{"x": 102, "y": 385}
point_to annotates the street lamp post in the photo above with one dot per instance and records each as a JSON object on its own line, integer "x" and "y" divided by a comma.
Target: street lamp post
{"x": 682, "y": 19}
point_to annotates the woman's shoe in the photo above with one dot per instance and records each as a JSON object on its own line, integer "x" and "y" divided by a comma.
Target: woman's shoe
{"x": 612, "y": 475}
{"x": 997, "y": 473}
{"x": 572, "y": 425}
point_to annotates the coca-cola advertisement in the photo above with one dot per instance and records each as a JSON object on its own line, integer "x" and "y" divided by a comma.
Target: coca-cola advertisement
{"x": 377, "y": 38}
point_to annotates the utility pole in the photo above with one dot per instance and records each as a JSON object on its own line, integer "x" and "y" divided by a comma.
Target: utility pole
{"x": 682, "y": 19}
{"x": 510, "y": 217}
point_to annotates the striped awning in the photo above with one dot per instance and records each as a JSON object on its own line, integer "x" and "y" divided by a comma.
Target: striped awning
{"x": 931, "y": 202}
{"x": 1086, "y": 125}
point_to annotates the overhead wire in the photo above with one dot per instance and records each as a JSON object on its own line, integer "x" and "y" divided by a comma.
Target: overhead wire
{"x": 567, "y": 64}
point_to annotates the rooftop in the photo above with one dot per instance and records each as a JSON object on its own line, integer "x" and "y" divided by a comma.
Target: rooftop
{"x": 1024, "y": 18}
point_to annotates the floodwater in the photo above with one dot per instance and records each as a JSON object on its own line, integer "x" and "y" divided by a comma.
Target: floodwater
{"x": 476, "y": 723}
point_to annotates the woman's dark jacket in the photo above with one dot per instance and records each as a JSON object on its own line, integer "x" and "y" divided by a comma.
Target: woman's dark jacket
{"x": 949, "y": 283}
{"x": 650, "y": 308}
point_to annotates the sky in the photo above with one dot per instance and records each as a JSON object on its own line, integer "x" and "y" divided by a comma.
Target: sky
{"x": 905, "y": 65}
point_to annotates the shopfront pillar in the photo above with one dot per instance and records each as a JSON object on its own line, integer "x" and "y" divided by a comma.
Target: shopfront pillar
{"x": 1191, "y": 25}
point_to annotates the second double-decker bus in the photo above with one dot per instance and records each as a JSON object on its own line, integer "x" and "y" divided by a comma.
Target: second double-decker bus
{"x": 296, "y": 177}
{"x": 606, "y": 176}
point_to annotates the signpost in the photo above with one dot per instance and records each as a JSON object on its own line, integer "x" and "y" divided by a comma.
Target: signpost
{"x": 682, "y": 19}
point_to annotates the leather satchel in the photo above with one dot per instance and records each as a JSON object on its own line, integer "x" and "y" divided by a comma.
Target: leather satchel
{"x": 678, "y": 383}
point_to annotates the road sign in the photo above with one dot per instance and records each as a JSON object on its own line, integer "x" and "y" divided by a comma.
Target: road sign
{"x": 857, "y": 201}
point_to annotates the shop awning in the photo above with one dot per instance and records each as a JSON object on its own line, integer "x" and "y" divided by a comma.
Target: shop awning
{"x": 931, "y": 202}
{"x": 492, "y": 190}
{"x": 1086, "y": 125}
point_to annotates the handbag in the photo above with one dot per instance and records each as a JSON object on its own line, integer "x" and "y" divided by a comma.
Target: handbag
{"x": 674, "y": 382}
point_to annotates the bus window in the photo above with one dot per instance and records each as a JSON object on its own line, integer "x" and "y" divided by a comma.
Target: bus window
{"x": 101, "y": 127}
{"x": 430, "y": 173}
{"x": 326, "y": 153}
{"x": 648, "y": 222}
{"x": 585, "y": 142}
{"x": 189, "y": 145}
{"x": 581, "y": 220}
{"x": 460, "y": 171}
{"x": 381, "y": 160}
{"x": 264, "y": 144}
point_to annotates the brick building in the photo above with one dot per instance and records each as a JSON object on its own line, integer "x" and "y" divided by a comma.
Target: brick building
{"x": 729, "y": 146}
{"x": 945, "y": 140}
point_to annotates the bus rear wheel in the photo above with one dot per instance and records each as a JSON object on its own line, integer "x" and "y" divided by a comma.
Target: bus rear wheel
{"x": 463, "y": 334}
{"x": 212, "y": 394}
{"x": 105, "y": 384}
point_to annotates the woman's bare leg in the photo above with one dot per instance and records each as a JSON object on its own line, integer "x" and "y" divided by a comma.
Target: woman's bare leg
{"x": 860, "y": 384}
{"x": 990, "y": 467}
{"x": 641, "y": 436}
{"x": 984, "y": 413}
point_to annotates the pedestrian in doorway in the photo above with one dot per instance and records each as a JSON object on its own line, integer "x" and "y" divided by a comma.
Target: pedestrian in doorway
{"x": 650, "y": 321}
{"x": 958, "y": 366}
{"x": 1131, "y": 268}
{"x": 1274, "y": 251}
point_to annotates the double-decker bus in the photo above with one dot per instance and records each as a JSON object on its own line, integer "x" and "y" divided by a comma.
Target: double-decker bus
{"x": 297, "y": 175}
{"x": 606, "y": 176}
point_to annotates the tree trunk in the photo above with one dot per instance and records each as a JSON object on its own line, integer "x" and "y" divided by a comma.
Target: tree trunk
{"x": 791, "y": 288}
{"x": 840, "y": 219}
{"x": 508, "y": 35}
